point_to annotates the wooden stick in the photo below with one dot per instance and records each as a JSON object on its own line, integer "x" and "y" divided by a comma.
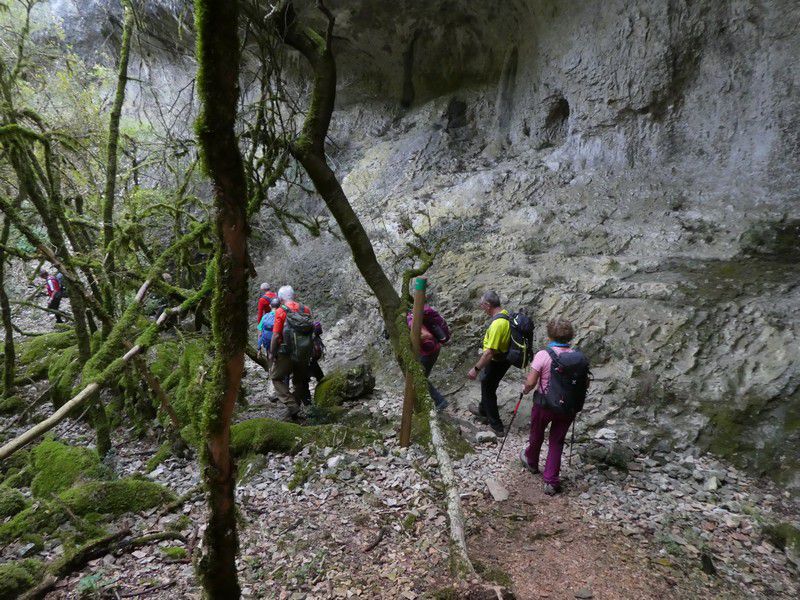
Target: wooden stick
{"x": 409, "y": 397}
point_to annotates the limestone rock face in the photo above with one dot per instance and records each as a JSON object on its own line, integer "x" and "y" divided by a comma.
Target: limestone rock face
{"x": 630, "y": 165}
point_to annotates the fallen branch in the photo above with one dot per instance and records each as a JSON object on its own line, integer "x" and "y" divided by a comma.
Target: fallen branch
{"x": 53, "y": 311}
{"x": 32, "y": 405}
{"x": 138, "y": 593}
{"x": 175, "y": 504}
{"x": 459, "y": 556}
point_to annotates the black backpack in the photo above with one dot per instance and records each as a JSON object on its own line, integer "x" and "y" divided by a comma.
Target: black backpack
{"x": 569, "y": 381}
{"x": 298, "y": 333}
{"x": 520, "y": 348}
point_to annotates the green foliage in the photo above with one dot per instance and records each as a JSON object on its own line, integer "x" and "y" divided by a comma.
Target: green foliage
{"x": 57, "y": 466}
{"x": 116, "y": 497}
{"x": 330, "y": 391}
{"x": 784, "y": 536}
{"x": 11, "y": 502}
{"x": 19, "y": 576}
{"x": 491, "y": 573}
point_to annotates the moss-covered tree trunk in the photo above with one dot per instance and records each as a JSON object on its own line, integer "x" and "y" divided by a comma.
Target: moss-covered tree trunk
{"x": 217, "y": 84}
{"x": 111, "y": 164}
{"x": 5, "y": 307}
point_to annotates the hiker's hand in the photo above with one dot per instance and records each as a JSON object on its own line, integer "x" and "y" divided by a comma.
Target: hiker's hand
{"x": 473, "y": 374}
{"x": 526, "y": 389}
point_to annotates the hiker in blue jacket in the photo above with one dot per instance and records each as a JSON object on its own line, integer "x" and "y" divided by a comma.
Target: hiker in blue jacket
{"x": 265, "y": 328}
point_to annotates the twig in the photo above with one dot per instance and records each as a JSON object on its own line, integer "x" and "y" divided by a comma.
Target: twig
{"x": 150, "y": 590}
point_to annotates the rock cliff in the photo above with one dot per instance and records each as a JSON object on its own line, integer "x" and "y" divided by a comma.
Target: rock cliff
{"x": 630, "y": 165}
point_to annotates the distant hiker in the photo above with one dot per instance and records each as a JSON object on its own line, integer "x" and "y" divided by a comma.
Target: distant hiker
{"x": 265, "y": 328}
{"x": 267, "y": 295}
{"x": 317, "y": 353}
{"x": 492, "y": 362}
{"x": 435, "y": 333}
{"x": 54, "y": 291}
{"x": 291, "y": 350}
{"x": 562, "y": 374}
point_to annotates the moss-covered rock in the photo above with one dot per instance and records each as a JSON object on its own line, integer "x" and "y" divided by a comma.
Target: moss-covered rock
{"x": 11, "y": 405}
{"x": 116, "y": 497}
{"x": 268, "y": 435}
{"x": 786, "y": 537}
{"x": 40, "y": 517}
{"x": 36, "y": 353}
{"x": 343, "y": 385}
{"x": 11, "y": 502}
{"x": 63, "y": 372}
{"x": 179, "y": 367}
{"x": 57, "y": 466}
{"x": 19, "y": 576}
{"x": 175, "y": 552}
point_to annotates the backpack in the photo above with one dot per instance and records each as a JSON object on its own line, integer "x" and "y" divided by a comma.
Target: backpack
{"x": 569, "y": 381}
{"x": 435, "y": 324}
{"x": 318, "y": 350}
{"x": 298, "y": 333}
{"x": 520, "y": 347}
{"x": 62, "y": 287}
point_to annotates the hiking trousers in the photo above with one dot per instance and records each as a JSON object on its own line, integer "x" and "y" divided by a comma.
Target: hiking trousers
{"x": 428, "y": 361}
{"x": 55, "y": 303}
{"x": 491, "y": 376}
{"x": 559, "y": 423}
{"x": 282, "y": 368}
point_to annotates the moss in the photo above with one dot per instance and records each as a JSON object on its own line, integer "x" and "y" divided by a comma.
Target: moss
{"x": 174, "y": 552}
{"x": 116, "y": 497}
{"x": 184, "y": 382}
{"x": 37, "y": 352}
{"x": 11, "y": 502}
{"x": 457, "y": 446}
{"x": 40, "y": 517}
{"x": 264, "y": 435}
{"x": 162, "y": 454}
{"x": 491, "y": 573}
{"x": 302, "y": 472}
{"x": 17, "y": 577}
{"x": 63, "y": 373}
{"x": 784, "y": 536}
{"x": 330, "y": 391}
{"x": 182, "y": 523}
{"x": 57, "y": 466}
{"x": 11, "y": 405}
{"x": 248, "y": 466}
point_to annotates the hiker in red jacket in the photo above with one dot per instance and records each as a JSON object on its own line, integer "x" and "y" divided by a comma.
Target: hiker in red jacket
{"x": 263, "y": 302}
{"x": 53, "y": 288}
{"x": 291, "y": 350}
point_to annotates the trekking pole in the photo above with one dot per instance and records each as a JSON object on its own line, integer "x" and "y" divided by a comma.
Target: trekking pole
{"x": 516, "y": 408}
{"x": 572, "y": 440}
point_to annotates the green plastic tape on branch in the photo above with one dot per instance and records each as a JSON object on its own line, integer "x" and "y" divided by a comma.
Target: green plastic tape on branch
{"x": 421, "y": 283}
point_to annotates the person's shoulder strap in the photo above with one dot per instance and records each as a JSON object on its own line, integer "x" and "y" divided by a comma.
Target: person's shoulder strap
{"x": 553, "y": 354}
{"x": 501, "y": 315}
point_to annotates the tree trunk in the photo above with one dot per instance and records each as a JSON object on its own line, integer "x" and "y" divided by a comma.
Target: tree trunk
{"x": 111, "y": 165}
{"x": 217, "y": 82}
{"x": 8, "y": 347}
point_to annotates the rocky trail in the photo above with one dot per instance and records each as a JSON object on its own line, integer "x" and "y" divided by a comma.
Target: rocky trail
{"x": 337, "y": 522}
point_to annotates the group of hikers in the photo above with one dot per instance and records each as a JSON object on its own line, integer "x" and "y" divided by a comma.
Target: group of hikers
{"x": 290, "y": 341}
{"x": 558, "y": 375}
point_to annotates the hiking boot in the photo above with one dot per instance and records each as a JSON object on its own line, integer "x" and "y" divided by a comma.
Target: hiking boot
{"x": 475, "y": 409}
{"x": 292, "y": 410}
{"x": 551, "y": 490}
{"x": 524, "y": 460}
{"x": 442, "y": 406}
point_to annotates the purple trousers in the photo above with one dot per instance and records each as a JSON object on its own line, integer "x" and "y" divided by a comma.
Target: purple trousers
{"x": 559, "y": 426}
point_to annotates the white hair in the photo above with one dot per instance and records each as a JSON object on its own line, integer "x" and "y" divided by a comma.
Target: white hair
{"x": 265, "y": 286}
{"x": 286, "y": 293}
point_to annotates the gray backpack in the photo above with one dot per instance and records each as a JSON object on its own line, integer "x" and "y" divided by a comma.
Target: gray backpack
{"x": 298, "y": 335}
